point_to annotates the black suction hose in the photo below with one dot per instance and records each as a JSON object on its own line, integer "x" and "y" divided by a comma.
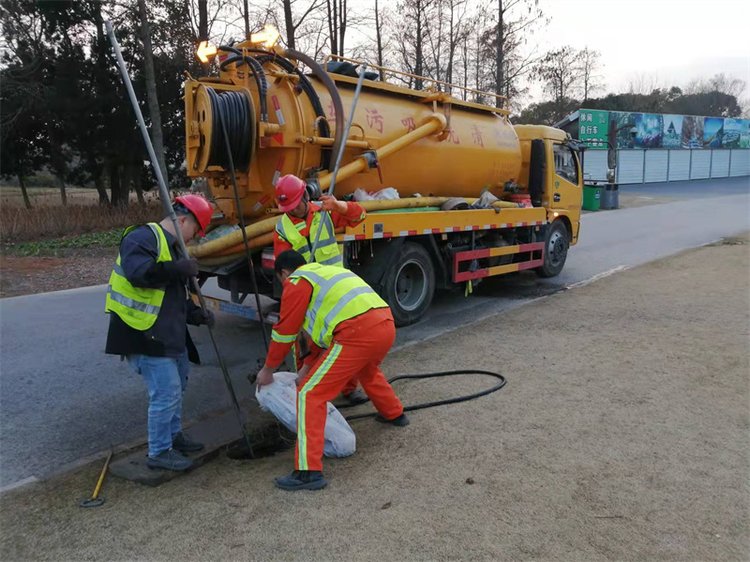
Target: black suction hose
{"x": 500, "y": 384}
{"x": 338, "y": 107}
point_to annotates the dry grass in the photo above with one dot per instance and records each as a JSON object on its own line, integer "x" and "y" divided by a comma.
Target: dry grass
{"x": 43, "y": 222}
{"x": 50, "y": 196}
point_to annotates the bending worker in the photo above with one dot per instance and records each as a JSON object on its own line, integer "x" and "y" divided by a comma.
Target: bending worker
{"x": 354, "y": 326}
{"x": 149, "y": 311}
{"x": 298, "y": 228}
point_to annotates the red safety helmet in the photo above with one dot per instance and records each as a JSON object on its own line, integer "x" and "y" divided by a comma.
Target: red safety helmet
{"x": 289, "y": 192}
{"x": 200, "y": 208}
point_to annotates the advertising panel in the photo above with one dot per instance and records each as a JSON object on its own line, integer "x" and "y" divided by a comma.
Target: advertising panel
{"x": 713, "y": 132}
{"x": 649, "y": 128}
{"x": 692, "y": 132}
{"x": 733, "y": 133}
{"x": 623, "y": 123}
{"x": 672, "y": 132}
{"x": 592, "y": 125}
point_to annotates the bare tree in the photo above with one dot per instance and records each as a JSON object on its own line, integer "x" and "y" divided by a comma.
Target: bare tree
{"x": 589, "y": 62}
{"x": 515, "y": 18}
{"x": 560, "y": 71}
{"x": 290, "y": 25}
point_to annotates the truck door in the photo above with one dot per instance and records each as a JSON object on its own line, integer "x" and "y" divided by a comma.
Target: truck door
{"x": 565, "y": 183}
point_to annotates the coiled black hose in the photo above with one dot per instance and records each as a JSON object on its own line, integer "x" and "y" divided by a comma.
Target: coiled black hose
{"x": 258, "y": 74}
{"x": 231, "y": 110}
{"x": 500, "y": 384}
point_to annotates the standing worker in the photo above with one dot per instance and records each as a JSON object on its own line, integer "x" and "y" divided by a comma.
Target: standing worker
{"x": 354, "y": 326}
{"x": 298, "y": 229}
{"x": 150, "y": 308}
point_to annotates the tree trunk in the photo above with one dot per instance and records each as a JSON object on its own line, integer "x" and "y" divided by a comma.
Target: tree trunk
{"x": 379, "y": 36}
{"x": 157, "y": 136}
{"x": 63, "y": 194}
{"x": 499, "y": 75}
{"x": 202, "y": 20}
{"x": 133, "y": 173}
{"x": 103, "y": 197}
{"x": 289, "y": 24}
{"x": 342, "y": 26}
{"x": 246, "y": 14}
{"x": 22, "y": 183}
{"x": 119, "y": 195}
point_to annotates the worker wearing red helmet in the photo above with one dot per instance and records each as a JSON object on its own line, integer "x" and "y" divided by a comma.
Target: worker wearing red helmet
{"x": 297, "y": 230}
{"x": 149, "y": 310}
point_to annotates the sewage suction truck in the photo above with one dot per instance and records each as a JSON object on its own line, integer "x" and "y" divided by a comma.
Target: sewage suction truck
{"x": 472, "y": 195}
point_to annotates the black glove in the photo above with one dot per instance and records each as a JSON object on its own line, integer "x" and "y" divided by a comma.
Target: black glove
{"x": 182, "y": 269}
{"x": 199, "y": 316}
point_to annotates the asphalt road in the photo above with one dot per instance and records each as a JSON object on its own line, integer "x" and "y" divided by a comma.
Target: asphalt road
{"x": 62, "y": 399}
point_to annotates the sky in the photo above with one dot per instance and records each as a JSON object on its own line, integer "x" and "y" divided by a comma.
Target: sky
{"x": 666, "y": 42}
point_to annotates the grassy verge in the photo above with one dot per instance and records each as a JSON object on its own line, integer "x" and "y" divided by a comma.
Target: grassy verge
{"x": 106, "y": 239}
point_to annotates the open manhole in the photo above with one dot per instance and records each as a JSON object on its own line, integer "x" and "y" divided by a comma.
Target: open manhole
{"x": 265, "y": 442}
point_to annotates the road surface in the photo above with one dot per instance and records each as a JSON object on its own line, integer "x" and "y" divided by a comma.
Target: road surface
{"x": 62, "y": 399}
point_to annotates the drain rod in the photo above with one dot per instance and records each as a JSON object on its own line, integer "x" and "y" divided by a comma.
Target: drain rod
{"x": 170, "y": 211}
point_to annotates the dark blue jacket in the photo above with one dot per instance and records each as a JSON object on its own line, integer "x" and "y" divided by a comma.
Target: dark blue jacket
{"x": 168, "y": 337}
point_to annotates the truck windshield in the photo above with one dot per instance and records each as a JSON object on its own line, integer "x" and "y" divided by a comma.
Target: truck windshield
{"x": 566, "y": 165}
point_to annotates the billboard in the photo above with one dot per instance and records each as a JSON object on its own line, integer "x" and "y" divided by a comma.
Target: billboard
{"x": 592, "y": 128}
{"x": 648, "y": 130}
{"x": 624, "y": 125}
{"x": 713, "y": 132}
{"x": 692, "y": 132}
{"x": 661, "y": 130}
{"x": 671, "y": 136}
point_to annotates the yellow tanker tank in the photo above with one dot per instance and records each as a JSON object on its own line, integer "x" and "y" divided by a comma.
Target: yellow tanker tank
{"x": 280, "y": 121}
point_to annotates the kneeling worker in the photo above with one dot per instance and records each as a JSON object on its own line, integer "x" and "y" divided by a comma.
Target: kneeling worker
{"x": 149, "y": 311}
{"x": 344, "y": 316}
{"x": 304, "y": 222}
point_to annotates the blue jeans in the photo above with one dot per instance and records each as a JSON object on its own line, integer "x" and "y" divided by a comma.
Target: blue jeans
{"x": 166, "y": 379}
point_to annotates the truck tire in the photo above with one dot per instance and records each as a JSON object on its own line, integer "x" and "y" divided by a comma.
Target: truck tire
{"x": 556, "y": 244}
{"x": 409, "y": 284}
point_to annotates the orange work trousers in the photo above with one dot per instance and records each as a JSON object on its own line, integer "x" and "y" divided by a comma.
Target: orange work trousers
{"x": 359, "y": 346}
{"x": 313, "y": 354}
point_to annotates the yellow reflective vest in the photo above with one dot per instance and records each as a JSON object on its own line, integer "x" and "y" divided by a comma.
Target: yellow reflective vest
{"x": 326, "y": 252}
{"x": 338, "y": 295}
{"x": 138, "y": 307}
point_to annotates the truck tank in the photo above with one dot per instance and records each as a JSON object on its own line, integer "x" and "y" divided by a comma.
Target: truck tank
{"x": 419, "y": 142}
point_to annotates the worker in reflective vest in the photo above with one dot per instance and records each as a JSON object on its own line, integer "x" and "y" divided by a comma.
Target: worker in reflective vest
{"x": 149, "y": 309}
{"x": 354, "y": 326}
{"x": 298, "y": 228}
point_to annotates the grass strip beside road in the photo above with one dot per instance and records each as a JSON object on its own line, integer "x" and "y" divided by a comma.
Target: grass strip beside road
{"x": 106, "y": 239}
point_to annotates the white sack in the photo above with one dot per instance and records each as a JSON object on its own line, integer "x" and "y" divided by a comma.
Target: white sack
{"x": 280, "y": 398}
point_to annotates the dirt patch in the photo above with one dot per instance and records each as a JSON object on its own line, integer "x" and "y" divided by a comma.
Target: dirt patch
{"x": 69, "y": 269}
{"x": 622, "y": 435}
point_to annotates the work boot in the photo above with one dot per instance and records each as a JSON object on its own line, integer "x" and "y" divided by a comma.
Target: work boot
{"x": 301, "y": 480}
{"x": 184, "y": 444}
{"x": 356, "y": 397}
{"x": 170, "y": 460}
{"x": 400, "y": 421}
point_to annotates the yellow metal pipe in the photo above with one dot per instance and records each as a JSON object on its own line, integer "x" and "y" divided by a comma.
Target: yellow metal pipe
{"x": 435, "y": 122}
{"x": 328, "y": 141}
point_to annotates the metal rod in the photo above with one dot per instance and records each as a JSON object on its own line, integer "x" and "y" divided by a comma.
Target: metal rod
{"x": 173, "y": 216}
{"x": 340, "y": 154}
{"x": 99, "y": 482}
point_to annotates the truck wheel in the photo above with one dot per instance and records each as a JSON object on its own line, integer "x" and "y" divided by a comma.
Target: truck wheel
{"x": 556, "y": 244}
{"x": 409, "y": 284}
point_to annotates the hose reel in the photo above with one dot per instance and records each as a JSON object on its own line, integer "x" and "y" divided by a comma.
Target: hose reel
{"x": 234, "y": 109}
